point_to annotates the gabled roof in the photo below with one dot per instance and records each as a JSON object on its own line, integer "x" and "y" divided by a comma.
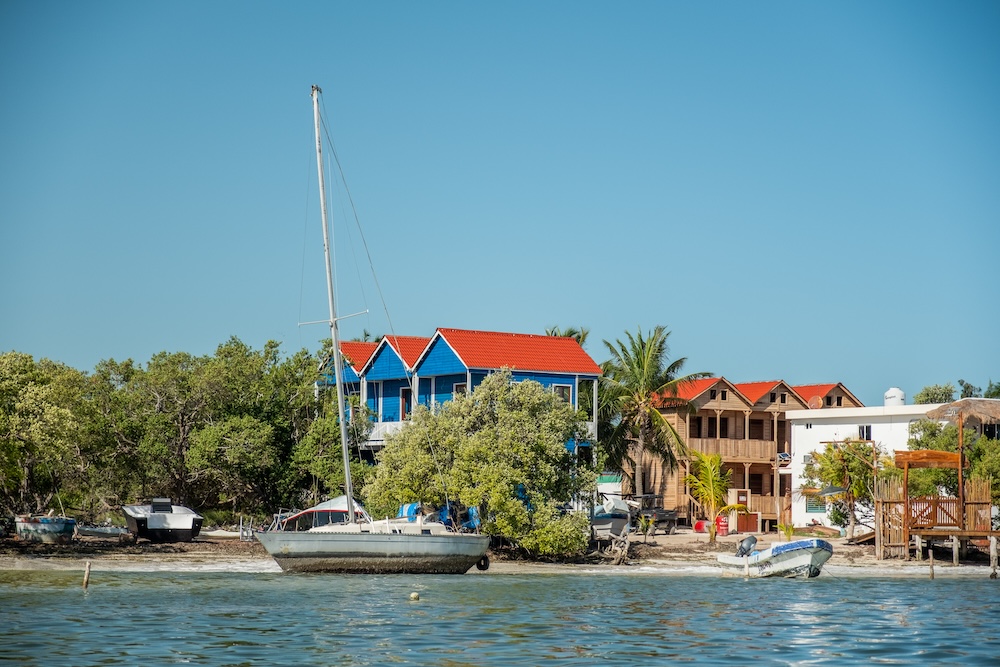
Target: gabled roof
{"x": 808, "y": 392}
{"x": 408, "y": 348}
{"x": 357, "y": 353}
{"x": 695, "y": 388}
{"x": 754, "y": 390}
{"x": 494, "y": 350}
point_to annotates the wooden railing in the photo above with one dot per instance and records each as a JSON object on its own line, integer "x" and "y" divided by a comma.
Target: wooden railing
{"x": 934, "y": 512}
{"x": 736, "y": 450}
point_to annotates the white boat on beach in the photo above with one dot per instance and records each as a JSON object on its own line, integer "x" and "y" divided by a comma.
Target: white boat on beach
{"x": 349, "y": 541}
{"x": 46, "y": 528}
{"x": 162, "y": 521}
{"x": 801, "y": 558}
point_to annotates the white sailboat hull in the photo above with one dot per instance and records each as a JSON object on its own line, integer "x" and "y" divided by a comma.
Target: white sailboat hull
{"x": 801, "y": 558}
{"x": 357, "y": 552}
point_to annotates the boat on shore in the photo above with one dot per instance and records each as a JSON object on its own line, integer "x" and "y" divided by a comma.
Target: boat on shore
{"x": 106, "y": 532}
{"x": 348, "y": 541}
{"x": 45, "y": 528}
{"x": 800, "y": 558}
{"x": 162, "y": 521}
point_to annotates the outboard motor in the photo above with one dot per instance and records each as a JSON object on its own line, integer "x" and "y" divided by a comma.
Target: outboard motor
{"x": 746, "y": 546}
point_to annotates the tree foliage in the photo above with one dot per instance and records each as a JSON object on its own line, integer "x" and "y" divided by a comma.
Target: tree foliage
{"x": 935, "y": 393}
{"x": 709, "y": 485}
{"x": 636, "y": 381}
{"x": 850, "y": 465}
{"x": 502, "y": 449}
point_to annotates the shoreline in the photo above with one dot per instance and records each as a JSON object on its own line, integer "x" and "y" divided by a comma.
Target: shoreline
{"x": 684, "y": 554}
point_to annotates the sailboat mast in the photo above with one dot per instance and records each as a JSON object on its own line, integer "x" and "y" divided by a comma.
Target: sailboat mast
{"x": 334, "y": 334}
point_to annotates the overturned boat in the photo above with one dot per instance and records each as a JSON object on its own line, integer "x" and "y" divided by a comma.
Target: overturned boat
{"x": 801, "y": 558}
{"x": 162, "y": 521}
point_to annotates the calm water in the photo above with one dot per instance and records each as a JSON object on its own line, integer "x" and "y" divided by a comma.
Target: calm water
{"x": 157, "y": 618}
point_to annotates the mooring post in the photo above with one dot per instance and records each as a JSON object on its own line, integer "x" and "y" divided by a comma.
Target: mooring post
{"x": 919, "y": 542}
{"x": 930, "y": 552}
{"x": 993, "y": 557}
{"x": 954, "y": 550}
{"x": 86, "y": 576}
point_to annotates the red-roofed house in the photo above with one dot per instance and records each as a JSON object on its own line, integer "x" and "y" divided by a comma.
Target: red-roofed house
{"x": 457, "y": 360}
{"x": 745, "y": 424}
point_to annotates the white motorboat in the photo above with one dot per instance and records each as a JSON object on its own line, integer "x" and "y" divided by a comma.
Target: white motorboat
{"x": 162, "y": 521}
{"x": 801, "y": 558}
{"x": 343, "y": 543}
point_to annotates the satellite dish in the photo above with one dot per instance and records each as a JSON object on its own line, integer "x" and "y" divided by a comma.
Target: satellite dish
{"x": 815, "y": 402}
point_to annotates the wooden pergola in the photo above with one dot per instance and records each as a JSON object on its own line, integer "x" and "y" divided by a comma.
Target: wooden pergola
{"x": 939, "y": 517}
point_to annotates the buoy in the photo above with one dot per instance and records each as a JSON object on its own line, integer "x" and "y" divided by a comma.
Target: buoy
{"x": 414, "y": 595}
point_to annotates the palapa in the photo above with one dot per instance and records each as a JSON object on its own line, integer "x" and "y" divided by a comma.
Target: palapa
{"x": 982, "y": 410}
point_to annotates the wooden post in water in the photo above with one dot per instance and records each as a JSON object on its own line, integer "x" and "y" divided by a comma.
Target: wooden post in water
{"x": 86, "y": 576}
{"x": 930, "y": 550}
{"x": 993, "y": 556}
{"x": 954, "y": 549}
{"x": 920, "y": 546}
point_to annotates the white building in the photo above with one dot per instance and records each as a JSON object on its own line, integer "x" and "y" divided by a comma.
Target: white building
{"x": 887, "y": 425}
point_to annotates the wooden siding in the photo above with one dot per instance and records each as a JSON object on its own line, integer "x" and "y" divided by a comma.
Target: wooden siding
{"x": 386, "y": 366}
{"x": 732, "y": 449}
{"x": 440, "y": 360}
{"x": 444, "y": 386}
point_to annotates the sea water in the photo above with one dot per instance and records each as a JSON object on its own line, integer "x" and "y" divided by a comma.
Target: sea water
{"x": 583, "y": 618}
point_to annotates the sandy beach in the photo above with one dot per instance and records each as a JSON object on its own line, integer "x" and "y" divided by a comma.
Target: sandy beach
{"x": 685, "y": 553}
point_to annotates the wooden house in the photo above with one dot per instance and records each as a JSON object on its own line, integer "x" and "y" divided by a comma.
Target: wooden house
{"x": 745, "y": 424}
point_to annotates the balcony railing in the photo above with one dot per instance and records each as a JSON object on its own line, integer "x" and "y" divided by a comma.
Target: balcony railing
{"x": 732, "y": 449}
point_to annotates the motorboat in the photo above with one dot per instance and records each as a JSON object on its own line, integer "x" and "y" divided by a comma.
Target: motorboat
{"x": 162, "y": 521}
{"x": 800, "y": 558}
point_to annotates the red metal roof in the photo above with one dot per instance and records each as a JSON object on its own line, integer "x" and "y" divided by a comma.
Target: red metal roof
{"x": 754, "y": 390}
{"x": 357, "y": 353}
{"x": 522, "y": 352}
{"x": 409, "y": 348}
{"x": 691, "y": 390}
{"x": 809, "y": 391}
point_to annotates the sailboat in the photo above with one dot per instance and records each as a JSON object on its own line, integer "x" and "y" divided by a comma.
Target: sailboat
{"x": 356, "y": 543}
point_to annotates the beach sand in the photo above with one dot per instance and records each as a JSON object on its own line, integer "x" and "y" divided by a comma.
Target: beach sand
{"x": 685, "y": 553}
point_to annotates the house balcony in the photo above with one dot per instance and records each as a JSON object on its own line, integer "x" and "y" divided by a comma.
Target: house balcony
{"x": 736, "y": 451}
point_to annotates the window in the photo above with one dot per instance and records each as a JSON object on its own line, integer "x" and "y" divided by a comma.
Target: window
{"x": 774, "y": 397}
{"x": 458, "y": 389}
{"x": 723, "y": 427}
{"x": 711, "y": 427}
{"x": 840, "y": 401}
{"x": 725, "y": 394}
{"x": 757, "y": 484}
{"x": 807, "y": 458}
{"x": 784, "y": 397}
{"x": 563, "y": 391}
{"x": 756, "y": 429}
{"x": 712, "y": 394}
{"x": 865, "y": 432}
{"x": 695, "y": 427}
{"x": 808, "y": 426}
{"x": 829, "y": 401}
{"x": 815, "y": 505}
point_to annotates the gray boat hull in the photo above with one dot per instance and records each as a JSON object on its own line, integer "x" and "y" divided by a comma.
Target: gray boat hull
{"x": 375, "y": 553}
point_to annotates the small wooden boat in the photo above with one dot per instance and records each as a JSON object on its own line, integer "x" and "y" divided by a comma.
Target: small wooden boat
{"x": 107, "y": 532}
{"x": 801, "y": 558}
{"x": 45, "y": 528}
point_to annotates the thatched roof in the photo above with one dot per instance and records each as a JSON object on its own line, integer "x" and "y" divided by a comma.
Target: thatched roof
{"x": 982, "y": 410}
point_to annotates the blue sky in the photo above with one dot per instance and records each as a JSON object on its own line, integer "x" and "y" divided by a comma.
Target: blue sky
{"x": 798, "y": 191}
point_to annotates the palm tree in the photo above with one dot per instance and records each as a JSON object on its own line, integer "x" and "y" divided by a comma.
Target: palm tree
{"x": 709, "y": 485}
{"x": 635, "y": 383}
{"x": 580, "y": 335}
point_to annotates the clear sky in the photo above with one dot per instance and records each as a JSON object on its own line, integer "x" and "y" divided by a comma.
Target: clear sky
{"x": 804, "y": 191}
